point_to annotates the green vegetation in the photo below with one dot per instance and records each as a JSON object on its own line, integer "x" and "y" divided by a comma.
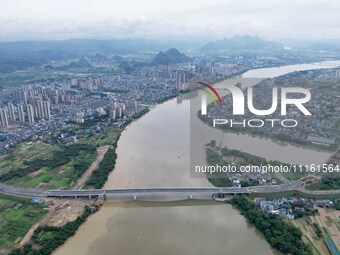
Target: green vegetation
{"x": 257, "y": 161}
{"x": 241, "y": 158}
{"x": 172, "y": 56}
{"x": 281, "y": 234}
{"x": 331, "y": 240}
{"x": 100, "y": 175}
{"x": 325, "y": 184}
{"x": 88, "y": 123}
{"x": 106, "y": 137}
{"x": 308, "y": 211}
{"x": 60, "y": 177}
{"x": 216, "y": 179}
{"x": 23, "y": 152}
{"x": 293, "y": 193}
{"x": 247, "y": 158}
{"x": 337, "y": 206}
{"x": 17, "y": 215}
{"x": 109, "y": 137}
{"x": 73, "y": 160}
{"x": 46, "y": 239}
{"x": 317, "y": 230}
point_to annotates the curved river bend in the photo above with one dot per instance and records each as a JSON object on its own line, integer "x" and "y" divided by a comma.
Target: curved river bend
{"x": 153, "y": 152}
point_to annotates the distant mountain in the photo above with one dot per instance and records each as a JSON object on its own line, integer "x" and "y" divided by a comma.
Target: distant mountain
{"x": 324, "y": 46}
{"x": 172, "y": 56}
{"x": 83, "y": 62}
{"x": 23, "y": 54}
{"x": 117, "y": 59}
{"x": 98, "y": 58}
{"x": 240, "y": 43}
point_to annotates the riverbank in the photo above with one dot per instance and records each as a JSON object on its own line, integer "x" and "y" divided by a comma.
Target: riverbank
{"x": 280, "y": 234}
{"x": 144, "y": 161}
{"x": 71, "y": 156}
{"x": 279, "y": 139}
{"x": 48, "y": 238}
{"x": 300, "y": 136}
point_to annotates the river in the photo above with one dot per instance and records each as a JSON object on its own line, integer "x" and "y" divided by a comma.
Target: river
{"x": 154, "y": 152}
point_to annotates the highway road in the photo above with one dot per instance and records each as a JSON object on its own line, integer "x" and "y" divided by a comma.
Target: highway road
{"x": 12, "y": 190}
{"x": 8, "y": 189}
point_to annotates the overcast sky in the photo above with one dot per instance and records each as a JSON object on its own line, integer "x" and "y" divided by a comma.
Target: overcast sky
{"x": 271, "y": 19}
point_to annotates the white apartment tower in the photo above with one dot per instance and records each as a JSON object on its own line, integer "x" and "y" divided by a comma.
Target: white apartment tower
{"x": 30, "y": 113}
{"x": 46, "y": 110}
{"x": 11, "y": 112}
{"x": 21, "y": 114}
{"x": 3, "y": 118}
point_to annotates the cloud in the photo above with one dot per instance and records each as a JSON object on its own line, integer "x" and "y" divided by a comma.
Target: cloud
{"x": 130, "y": 18}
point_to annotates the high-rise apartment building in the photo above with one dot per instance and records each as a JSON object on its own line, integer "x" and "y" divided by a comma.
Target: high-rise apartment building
{"x": 46, "y": 110}
{"x": 11, "y": 112}
{"x": 21, "y": 114}
{"x": 30, "y": 113}
{"x": 40, "y": 109}
{"x": 3, "y": 118}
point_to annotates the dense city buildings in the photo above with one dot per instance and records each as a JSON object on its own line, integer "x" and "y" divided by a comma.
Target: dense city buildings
{"x": 120, "y": 96}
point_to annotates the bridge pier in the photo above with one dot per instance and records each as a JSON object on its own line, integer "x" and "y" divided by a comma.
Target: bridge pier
{"x": 134, "y": 197}
{"x": 90, "y": 197}
{"x": 190, "y": 196}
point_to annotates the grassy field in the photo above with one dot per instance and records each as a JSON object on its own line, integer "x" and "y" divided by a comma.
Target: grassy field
{"x": 291, "y": 193}
{"x": 291, "y": 176}
{"x": 321, "y": 228}
{"x": 24, "y": 151}
{"x": 310, "y": 228}
{"x": 333, "y": 245}
{"x": 59, "y": 177}
{"x": 325, "y": 184}
{"x": 17, "y": 215}
{"x": 63, "y": 176}
{"x": 106, "y": 137}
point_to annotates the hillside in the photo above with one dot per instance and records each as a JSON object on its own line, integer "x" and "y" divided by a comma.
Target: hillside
{"x": 172, "y": 56}
{"x": 241, "y": 43}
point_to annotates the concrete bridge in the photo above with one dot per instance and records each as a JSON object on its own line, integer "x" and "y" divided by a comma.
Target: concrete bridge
{"x": 162, "y": 194}
{"x": 170, "y": 193}
{"x": 123, "y": 194}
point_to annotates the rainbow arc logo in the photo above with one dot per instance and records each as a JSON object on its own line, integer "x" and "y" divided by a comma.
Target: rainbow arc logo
{"x": 209, "y": 90}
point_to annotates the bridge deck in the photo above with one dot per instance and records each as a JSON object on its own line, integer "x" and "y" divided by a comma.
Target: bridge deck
{"x": 80, "y": 193}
